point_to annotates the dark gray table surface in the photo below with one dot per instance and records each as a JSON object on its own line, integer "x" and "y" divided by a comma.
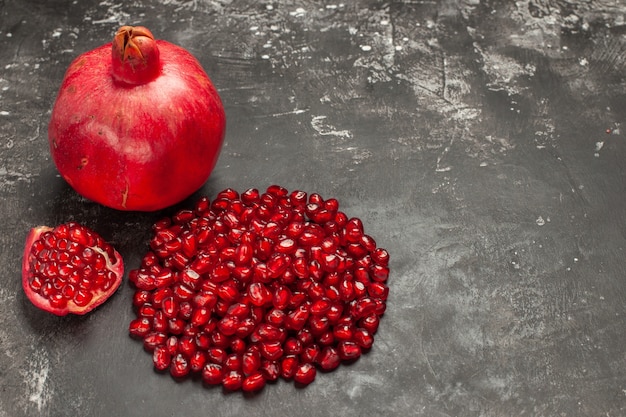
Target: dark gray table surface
{"x": 479, "y": 141}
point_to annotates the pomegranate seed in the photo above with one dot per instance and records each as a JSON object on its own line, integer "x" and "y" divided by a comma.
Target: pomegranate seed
{"x": 140, "y": 327}
{"x": 228, "y": 292}
{"x": 293, "y": 346}
{"x": 270, "y": 370}
{"x": 310, "y": 354}
{"x": 348, "y": 350}
{"x": 244, "y": 254}
{"x": 250, "y": 287}
{"x": 233, "y": 380}
{"x": 305, "y": 373}
{"x": 271, "y": 350}
{"x": 220, "y": 273}
{"x": 254, "y": 382}
{"x": 277, "y": 190}
{"x": 334, "y": 312}
{"x": 267, "y": 333}
{"x": 286, "y": 246}
{"x": 238, "y": 310}
{"x": 318, "y": 325}
{"x": 250, "y": 196}
{"x": 233, "y": 362}
{"x": 179, "y": 366}
{"x": 370, "y": 323}
{"x": 185, "y": 310}
{"x": 282, "y": 297}
{"x": 228, "y": 326}
{"x": 238, "y": 345}
{"x": 251, "y": 361}
{"x": 305, "y": 337}
{"x": 154, "y": 339}
{"x": 159, "y": 321}
{"x": 329, "y": 358}
{"x": 216, "y": 355}
{"x": 288, "y": 366}
{"x": 170, "y": 307}
{"x": 146, "y": 310}
{"x": 320, "y": 306}
{"x": 187, "y": 345}
{"x": 343, "y": 331}
{"x": 246, "y": 327}
{"x": 297, "y": 318}
{"x": 212, "y": 374}
{"x": 380, "y": 273}
{"x": 380, "y": 256}
{"x": 197, "y": 361}
{"x": 190, "y": 278}
{"x": 363, "y": 338}
{"x": 161, "y": 358}
{"x": 201, "y": 316}
{"x": 176, "y": 326}
{"x": 275, "y": 317}
{"x": 141, "y": 297}
{"x": 326, "y": 338}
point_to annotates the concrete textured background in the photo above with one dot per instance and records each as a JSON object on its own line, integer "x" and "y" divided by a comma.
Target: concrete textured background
{"x": 479, "y": 141}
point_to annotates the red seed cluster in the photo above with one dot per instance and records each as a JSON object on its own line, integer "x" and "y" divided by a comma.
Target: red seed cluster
{"x": 251, "y": 287}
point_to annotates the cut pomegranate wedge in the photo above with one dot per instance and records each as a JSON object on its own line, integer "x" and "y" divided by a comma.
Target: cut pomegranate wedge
{"x": 69, "y": 269}
{"x": 251, "y": 287}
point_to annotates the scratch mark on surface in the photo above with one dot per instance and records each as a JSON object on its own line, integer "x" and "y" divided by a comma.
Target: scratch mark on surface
{"x": 288, "y": 113}
{"x": 439, "y": 167}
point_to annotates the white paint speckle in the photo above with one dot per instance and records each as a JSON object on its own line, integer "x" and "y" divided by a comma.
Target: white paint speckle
{"x": 299, "y": 12}
{"x": 540, "y": 221}
{"x": 366, "y": 48}
{"x": 36, "y": 379}
{"x": 322, "y": 128}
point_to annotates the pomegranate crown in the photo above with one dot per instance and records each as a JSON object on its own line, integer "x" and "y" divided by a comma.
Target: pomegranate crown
{"x": 135, "y": 55}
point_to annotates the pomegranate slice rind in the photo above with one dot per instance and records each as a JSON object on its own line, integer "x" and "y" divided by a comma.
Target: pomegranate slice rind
{"x": 69, "y": 269}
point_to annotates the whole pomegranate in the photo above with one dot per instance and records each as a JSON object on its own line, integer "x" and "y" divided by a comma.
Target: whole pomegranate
{"x": 137, "y": 123}
{"x": 69, "y": 269}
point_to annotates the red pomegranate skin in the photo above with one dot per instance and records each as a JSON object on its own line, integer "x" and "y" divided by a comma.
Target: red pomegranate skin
{"x": 136, "y": 141}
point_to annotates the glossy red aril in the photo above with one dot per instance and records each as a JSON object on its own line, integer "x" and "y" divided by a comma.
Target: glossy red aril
{"x": 71, "y": 269}
{"x": 137, "y": 124}
{"x": 250, "y": 287}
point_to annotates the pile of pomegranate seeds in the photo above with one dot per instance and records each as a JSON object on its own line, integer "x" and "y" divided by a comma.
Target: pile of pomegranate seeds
{"x": 249, "y": 288}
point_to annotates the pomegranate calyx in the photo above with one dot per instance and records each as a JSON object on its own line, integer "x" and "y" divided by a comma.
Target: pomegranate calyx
{"x": 135, "y": 55}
